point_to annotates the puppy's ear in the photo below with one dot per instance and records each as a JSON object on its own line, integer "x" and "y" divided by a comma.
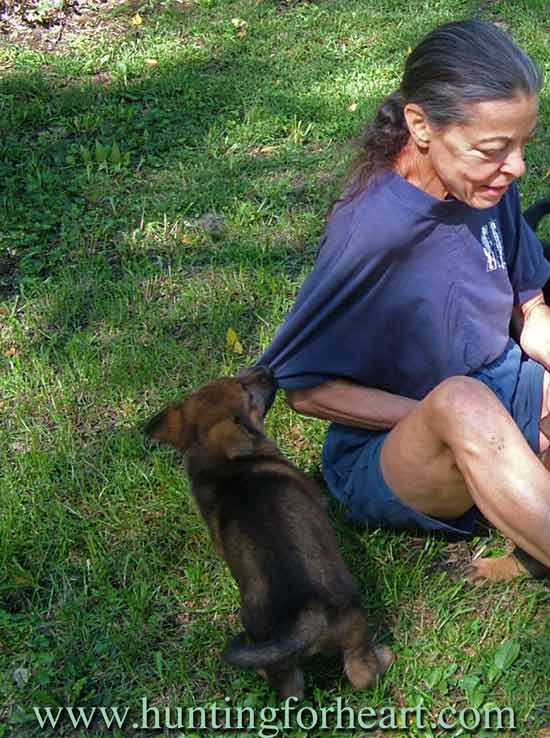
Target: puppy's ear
{"x": 169, "y": 426}
{"x": 227, "y": 439}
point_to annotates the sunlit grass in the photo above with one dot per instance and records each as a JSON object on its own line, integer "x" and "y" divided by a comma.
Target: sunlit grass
{"x": 117, "y": 298}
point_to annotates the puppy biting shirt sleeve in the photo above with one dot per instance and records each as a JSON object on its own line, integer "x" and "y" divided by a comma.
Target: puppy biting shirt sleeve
{"x": 408, "y": 290}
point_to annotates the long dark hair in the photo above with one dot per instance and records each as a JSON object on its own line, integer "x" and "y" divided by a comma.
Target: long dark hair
{"x": 456, "y": 65}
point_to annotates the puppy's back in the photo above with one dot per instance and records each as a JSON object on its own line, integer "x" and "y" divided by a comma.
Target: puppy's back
{"x": 270, "y": 521}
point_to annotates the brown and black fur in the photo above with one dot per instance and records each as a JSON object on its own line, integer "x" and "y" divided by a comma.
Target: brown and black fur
{"x": 533, "y": 216}
{"x": 267, "y": 520}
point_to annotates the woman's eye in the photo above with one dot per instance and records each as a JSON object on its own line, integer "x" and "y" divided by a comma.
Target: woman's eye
{"x": 491, "y": 152}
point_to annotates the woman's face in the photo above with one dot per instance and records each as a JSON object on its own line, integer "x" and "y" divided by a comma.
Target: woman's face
{"x": 476, "y": 161}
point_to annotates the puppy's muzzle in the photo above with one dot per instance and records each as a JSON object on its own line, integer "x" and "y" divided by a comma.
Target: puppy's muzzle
{"x": 260, "y": 381}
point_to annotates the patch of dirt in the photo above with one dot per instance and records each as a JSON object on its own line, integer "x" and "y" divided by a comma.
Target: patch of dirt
{"x": 456, "y": 560}
{"x": 45, "y": 25}
{"x": 33, "y": 13}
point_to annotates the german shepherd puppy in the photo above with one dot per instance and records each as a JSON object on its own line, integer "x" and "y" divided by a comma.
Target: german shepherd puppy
{"x": 533, "y": 216}
{"x": 267, "y": 521}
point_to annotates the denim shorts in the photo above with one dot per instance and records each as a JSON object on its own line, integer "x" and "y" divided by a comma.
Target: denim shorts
{"x": 351, "y": 456}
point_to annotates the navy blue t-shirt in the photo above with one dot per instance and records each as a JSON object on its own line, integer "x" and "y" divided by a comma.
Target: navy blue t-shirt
{"x": 408, "y": 290}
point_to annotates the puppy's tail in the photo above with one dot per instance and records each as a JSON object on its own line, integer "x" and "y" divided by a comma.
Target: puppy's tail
{"x": 244, "y": 654}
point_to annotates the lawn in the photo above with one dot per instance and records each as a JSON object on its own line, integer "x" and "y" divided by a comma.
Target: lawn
{"x": 165, "y": 173}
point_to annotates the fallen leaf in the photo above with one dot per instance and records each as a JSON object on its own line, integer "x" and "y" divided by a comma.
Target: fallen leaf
{"x": 352, "y": 108}
{"x": 233, "y": 341}
{"x": 151, "y": 62}
{"x": 137, "y": 20}
{"x": 264, "y": 150}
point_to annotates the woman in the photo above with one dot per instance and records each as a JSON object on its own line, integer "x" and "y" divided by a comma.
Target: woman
{"x": 400, "y": 335}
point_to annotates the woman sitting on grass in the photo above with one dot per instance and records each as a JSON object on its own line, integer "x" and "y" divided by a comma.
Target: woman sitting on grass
{"x": 401, "y": 334}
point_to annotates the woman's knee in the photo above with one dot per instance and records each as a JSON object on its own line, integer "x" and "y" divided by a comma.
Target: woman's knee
{"x": 463, "y": 399}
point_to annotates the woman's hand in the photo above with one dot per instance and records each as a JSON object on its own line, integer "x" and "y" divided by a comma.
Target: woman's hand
{"x": 531, "y": 321}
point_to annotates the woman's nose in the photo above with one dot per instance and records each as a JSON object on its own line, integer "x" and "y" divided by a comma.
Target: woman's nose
{"x": 514, "y": 163}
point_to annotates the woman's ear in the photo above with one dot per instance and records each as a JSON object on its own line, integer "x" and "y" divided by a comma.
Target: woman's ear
{"x": 418, "y": 125}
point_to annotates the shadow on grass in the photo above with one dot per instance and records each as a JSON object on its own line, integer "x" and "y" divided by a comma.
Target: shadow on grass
{"x": 85, "y": 230}
{"x": 171, "y": 128}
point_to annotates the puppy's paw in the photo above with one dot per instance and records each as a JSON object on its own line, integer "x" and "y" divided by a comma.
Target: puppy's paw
{"x": 289, "y": 684}
{"x": 502, "y": 569}
{"x": 385, "y": 657}
{"x": 363, "y": 667}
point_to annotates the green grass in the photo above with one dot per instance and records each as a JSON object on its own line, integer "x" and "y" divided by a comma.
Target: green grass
{"x": 116, "y": 299}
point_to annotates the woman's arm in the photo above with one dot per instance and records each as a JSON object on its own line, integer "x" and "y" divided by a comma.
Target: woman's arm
{"x": 531, "y": 322}
{"x": 351, "y": 404}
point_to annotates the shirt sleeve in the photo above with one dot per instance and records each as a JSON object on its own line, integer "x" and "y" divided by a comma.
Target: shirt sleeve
{"x": 326, "y": 335}
{"x": 527, "y": 267}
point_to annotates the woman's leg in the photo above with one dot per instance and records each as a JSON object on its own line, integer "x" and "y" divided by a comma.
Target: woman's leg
{"x": 544, "y": 436}
{"x": 460, "y": 447}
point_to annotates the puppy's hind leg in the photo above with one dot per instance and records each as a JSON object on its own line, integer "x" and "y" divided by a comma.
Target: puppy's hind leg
{"x": 288, "y": 681}
{"x": 363, "y": 661}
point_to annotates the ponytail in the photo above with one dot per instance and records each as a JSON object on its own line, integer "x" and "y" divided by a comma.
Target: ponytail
{"x": 381, "y": 141}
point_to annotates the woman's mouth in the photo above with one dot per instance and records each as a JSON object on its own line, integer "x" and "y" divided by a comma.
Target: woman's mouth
{"x": 491, "y": 192}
